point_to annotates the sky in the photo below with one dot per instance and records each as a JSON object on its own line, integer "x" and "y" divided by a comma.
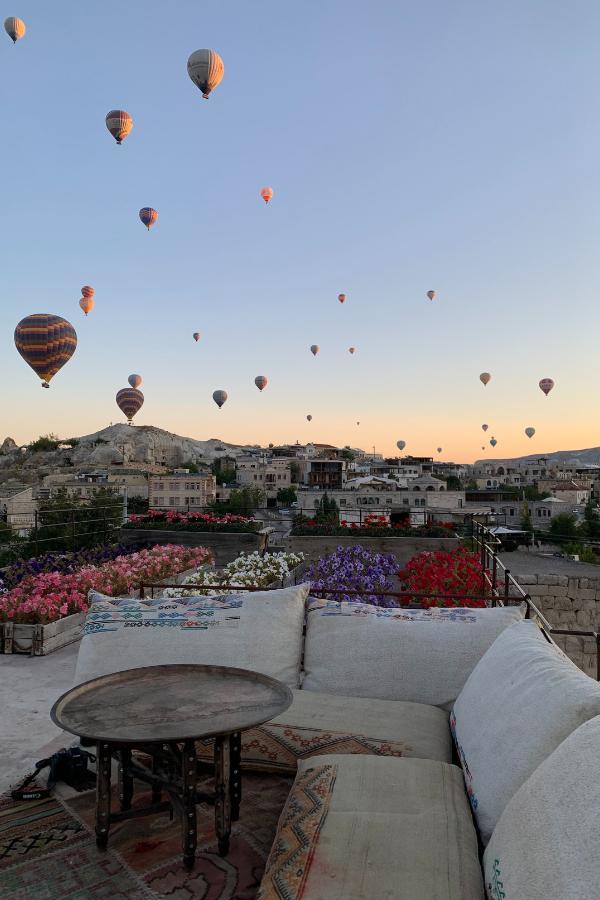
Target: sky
{"x": 410, "y": 146}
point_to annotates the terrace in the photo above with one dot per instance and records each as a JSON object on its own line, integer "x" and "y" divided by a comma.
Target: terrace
{"x": 368, "y": 710}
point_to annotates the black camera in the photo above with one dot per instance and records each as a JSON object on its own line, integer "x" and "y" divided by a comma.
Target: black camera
{"x": 69, "y": 766}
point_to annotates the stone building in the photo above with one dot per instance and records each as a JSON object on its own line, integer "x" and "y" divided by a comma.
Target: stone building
{"x": 181, "y": 491}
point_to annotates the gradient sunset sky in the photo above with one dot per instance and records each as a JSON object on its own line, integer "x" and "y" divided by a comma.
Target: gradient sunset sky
{"x": 410, "y": 146}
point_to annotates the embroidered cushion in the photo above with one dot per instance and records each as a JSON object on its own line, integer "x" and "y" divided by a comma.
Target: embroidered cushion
{"x": 260, "y": 631}
{"x": 417, "y": 655}
{"x": 328, "y": 723}
{"x": 520, "y": 702}
{"x": 365, "y": 828}
{"x": 546, "y": 841}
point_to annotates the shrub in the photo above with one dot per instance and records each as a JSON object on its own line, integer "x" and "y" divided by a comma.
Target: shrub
{"x": 441, "y": 574}
{"x": 249, "y": 570}
{"x": 354, "y": 569}
{"x": 192, "y": 521}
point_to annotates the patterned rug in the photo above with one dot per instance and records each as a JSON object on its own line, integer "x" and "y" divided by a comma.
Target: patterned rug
{"x": 48, "y": 849}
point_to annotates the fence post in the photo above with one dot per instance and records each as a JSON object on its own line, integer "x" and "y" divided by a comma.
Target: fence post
{"x": 103, "y": 524}
{"x": 72, "y": 529}
{"x": 506, "y": 582}
{"x": 494, "y": 572}
{"x": 35, "y": 531}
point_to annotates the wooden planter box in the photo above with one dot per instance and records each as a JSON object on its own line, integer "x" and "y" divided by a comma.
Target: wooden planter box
{"x": 39, "y": 640}
{"x": 226, "y": 545}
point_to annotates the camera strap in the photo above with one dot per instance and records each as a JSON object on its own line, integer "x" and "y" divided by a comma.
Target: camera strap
{"x": 34, "y": 793}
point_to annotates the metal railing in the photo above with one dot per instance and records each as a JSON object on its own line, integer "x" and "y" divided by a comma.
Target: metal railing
{"x": 80, "y": 524}
{"x": 505, "y": 590}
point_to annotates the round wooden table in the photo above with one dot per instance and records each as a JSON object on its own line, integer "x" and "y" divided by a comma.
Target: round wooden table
{"x": 162, "y": 711}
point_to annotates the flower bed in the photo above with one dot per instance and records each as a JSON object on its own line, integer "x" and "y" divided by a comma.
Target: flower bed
{"x": 371, "y": 526}
{"x": 442, "y": 573}
{"x": 192, "y": 521}
{"x": 43, "y": 598}
{"x": 61, "y": 562}
{"x": 249, "y": 569}
{"x": 354, "y": 569}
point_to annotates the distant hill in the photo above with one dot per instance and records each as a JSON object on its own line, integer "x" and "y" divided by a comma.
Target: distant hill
{"x": 588, "y": 457}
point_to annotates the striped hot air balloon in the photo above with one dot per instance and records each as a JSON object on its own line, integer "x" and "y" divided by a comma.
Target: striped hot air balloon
{"x": 220, "y": 397}
{"x": 485, "y": 427}
{"x": 261, "y": 381}
{"x": 266, "y": 193}
{"x": 546, "y": 385}
{"x": 400, "y": 445}
{"x": 342, "y": 298}
{"x": 431, "y": 295}
{"x": 485, "y": 378}
{"x": 135, "y": 380}
{"x": 46, "y": 343}
{"x": 119, "y": 123}
{"x": 88, "y": 291}
{"x": 206, "y": 69}
{"x": 87, "y": 304}
{"x": 129, "y": 401}
{"x": 15, "y": 28}
{"x": 493, "y": 442}
{"x": 352, "y": 350}
{"x": 148, "y": 216}
{"x": 530, "y": 432}
{"x": 196, "y": 336}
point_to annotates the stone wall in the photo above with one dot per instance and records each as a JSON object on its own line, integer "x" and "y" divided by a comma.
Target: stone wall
{"x": 568, "y": 602}
{"x": 226, "y": 545}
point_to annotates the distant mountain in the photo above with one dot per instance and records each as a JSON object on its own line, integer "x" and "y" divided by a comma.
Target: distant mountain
{"x": 588, "y": 457}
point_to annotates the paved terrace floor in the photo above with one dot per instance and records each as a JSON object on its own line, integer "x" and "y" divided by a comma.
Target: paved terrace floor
{"x": 531, "y": 564}
{"x": 29, "y": 685}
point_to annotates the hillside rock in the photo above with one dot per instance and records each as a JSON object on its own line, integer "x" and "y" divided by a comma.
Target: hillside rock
{"x": 8, "y": 446}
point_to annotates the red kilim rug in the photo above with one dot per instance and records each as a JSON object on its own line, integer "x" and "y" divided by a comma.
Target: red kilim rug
{"x": 47, "y": 849}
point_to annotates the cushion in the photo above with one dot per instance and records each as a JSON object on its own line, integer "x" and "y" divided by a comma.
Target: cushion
{"x": 260, "y": 631}
{"x": 327, "y": 723}
{"x": 520, "y": 702}
{"x": 546, "y": 841}
{"x": 418, "y": 655}
{"x": 368, "y": 828}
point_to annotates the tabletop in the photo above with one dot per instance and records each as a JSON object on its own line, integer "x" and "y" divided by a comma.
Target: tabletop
{"x": 170, "y": 703}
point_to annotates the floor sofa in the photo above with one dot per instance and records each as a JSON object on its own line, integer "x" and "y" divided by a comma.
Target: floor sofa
{"x": 442, "y": 754}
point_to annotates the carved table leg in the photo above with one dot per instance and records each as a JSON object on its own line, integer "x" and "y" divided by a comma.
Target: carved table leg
{"x": 156, "y": 791}
{"x": 235, "y": 748}
{"x": 125, "y": 779}
{"x": 102, "y": 794}
{"x": 222, "y": 793}
{"x": 188, "y": 811}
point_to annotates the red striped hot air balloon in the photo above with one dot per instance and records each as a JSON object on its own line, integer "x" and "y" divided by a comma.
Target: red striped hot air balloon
{"x": 485, "y": 378}
{"x": 119, "y": 123}
{"x": 266, "y": 193}
{"x": 261, "y": 381}
{"x": 87, "y": 304}
{"x": 129, "y": 401}
{"x": 46, "y": 343}
{"x": 342, "y": 298}
{"x": 206, "y": 69}
{"x": 148, "y": 216}
{"x": 88, "y": 291}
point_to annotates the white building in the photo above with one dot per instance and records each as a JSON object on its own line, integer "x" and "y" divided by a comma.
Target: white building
{"x": 181, "y": 491}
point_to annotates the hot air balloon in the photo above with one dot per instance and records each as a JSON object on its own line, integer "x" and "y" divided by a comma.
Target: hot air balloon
{"x": 493, "y": 442}
{"x": 15, "y": 28}
{"x": 483, "y": 448}
{"x": 205, "y": 68}
{"x": 196, "y": 336}
{"x": 266, "y": 193}
{"x": 129, "y": 401}
{"x": 220, "y": 397}
{"x": 314, "y": 349}
{"x": 485, "y": 427}
{"x": 309, "y": 418}
{"x": 135, "y": 381}
{"x": 530, "y": 432}
{"x": 46, "y": 343}
{"x": 485, "y": 378}
{"x": 431, "y": 295}
{"x": 87, "y": 304}
{"x": 148, "y": 216}
{"x": 546, "y": 385}
{"x": 358, "y": 423}
{"x": 400, "y": 445}
{"x": 87, "y": 291}
{"x": 119, "y": 123}
{"x": 351, "y": 349}
{"x": 261, "y": 381}
{"x": 439, "y": 449}
{"x": 342, "y": 298}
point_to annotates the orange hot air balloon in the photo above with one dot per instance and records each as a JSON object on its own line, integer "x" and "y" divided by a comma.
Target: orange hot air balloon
{"x": 206, "y": 69}
{"x": 46, "y": 343}
{"x": 314, "y": 349}
{"x": 119, "y": 123}
{"x": 148, "y": 216}
{"x": 266, "y": 193}
{"x": 87, "y": 291}
{"x": 87, "y": 304}
{"x": 483, "y": 448}
{"x": 546, "y": 385}
{"x": 485, "y": 378}
{"x": 342, "y": 298}
{"x": 261, "y": 381}
{"x": 15, "y": 28}
{"x": 130, "y": 401}
{"x": 431, "y": 295}
{"x": 351, "y": 349}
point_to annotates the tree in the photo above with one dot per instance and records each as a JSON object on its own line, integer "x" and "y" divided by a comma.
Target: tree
{"x": 224, "y": 474}
{"x": 5, "y": 533}
{"x": 286, "y": 495}
{"x": 532, "y": 493}
{"x": 242, "y": 502}
{"x": 564, "y": 526}
{"x": 65, "y": 523}
{"x": 71, "y": 442}
{"x": 327, "y": 510}
{"x": 453, "y": 483}
{"x": 191, "y": 466}
{"x": 348, "y": 454}
{"x": 44, "y": 443}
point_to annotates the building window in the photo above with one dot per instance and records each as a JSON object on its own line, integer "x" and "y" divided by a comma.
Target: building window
{"x": 172, "y": 501}
{"x": 512, "y": 512}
